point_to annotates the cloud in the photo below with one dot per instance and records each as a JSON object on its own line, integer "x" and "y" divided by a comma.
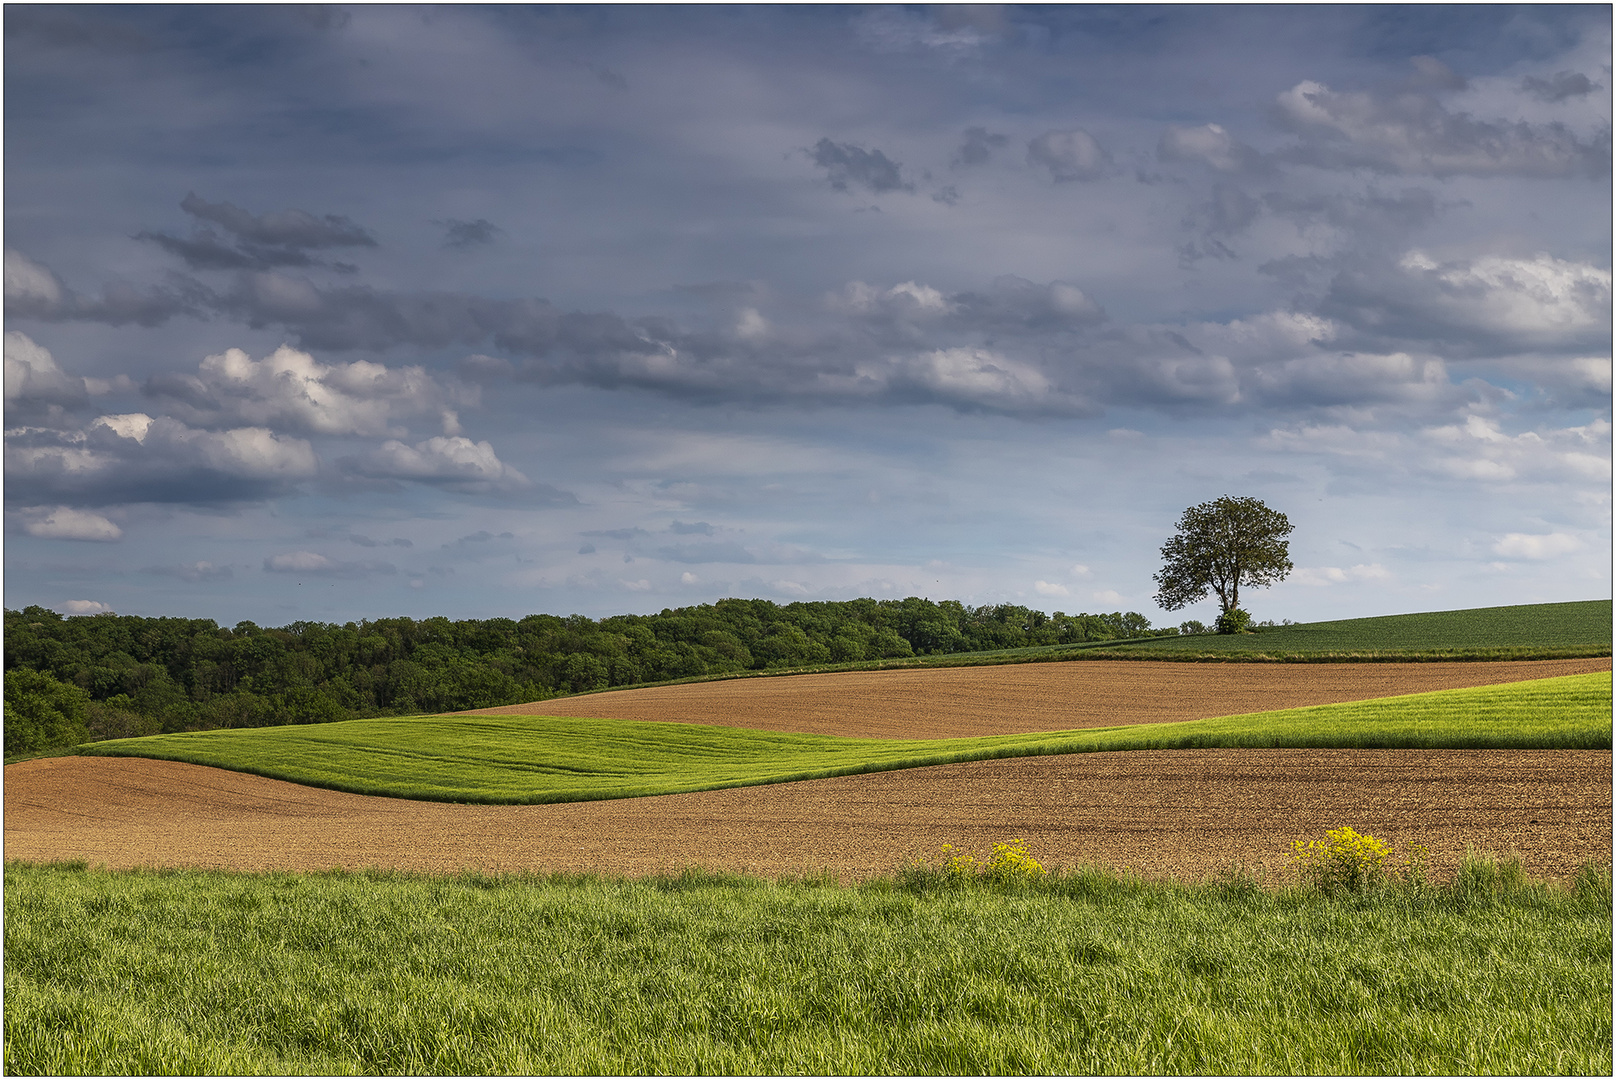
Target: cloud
{"x": 1560, "y": 86}
{"x": 1335, "y": 575}
{"x": 1046, "y": 588}
{"x": 1492, "y": 305}
{"x": 34, "y": 384}
{"x": 847, "y": 165}
{"x": 978, "y": 146}
{"x": 1537, "y": 547}
{"x": 200, "y": 570}
{"x": 1211, "y": 145}
{"x": 257, "y": 241}
{"x": 313, "y": 564}
{"x": 1069, "y": 155}
{"x": 726, "y": 551}
{"x": 34, "y": 291}
{"x": 451, "y": 460}
{"x": 133, "y": 457}
{"x": 467, "y": 234}
{"x": 290, "y": 389}
{"x": 66, "y": 523}
{"x": 1408, "y": 132}
{"x": 85, "y": 607}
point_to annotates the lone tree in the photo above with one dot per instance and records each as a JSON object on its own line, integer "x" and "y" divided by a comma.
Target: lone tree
{"x": 1220, "y": 546}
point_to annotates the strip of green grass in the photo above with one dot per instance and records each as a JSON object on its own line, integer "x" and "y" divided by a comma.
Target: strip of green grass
{"x": 1086, "y": 973}
{"x": 529, "y": 759}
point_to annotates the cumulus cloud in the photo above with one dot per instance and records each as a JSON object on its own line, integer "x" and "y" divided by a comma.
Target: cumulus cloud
{"x": 1335, "y": 575}
{"x": 1475, "y": 451}
{"x": 85, "y": 607}
{"x": 1049, "y": 588}
{"x": 1069, "y": 155}
{"x": 1209, "y": 144}
{"x": 33, "y": 290}
{"x": 290, "y": 389}
{"x": 201, "y": 570}
{"x": 1402, "y": 130}
{"x": 133, "y": 457}
{"x": 1492, "y": 305}
{"x": 848, "y": 166}
{"x": 451, "y": 460}
{"x": 66, "y": 523}
{"x": 313, "y": 564}
{"x": 33, "y": 381}
{"x": 1536, "y": 546}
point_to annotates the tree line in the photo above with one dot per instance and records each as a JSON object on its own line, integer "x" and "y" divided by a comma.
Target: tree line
{"x": 73, "y": 679}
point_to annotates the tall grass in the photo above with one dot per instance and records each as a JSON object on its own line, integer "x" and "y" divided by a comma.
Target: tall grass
{"x": 1085, "y": 972}
{"x": 526, "y": 759}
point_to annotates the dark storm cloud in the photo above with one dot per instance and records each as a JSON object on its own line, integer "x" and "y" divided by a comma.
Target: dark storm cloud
{"x": 848, "y": 166}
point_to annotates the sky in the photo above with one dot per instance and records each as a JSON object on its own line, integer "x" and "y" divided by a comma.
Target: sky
{"x": 325, "y": 313}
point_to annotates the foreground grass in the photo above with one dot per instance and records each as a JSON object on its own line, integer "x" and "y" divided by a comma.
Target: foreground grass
{"x": 154, "y": 972}
{"x": 528, "y": 759}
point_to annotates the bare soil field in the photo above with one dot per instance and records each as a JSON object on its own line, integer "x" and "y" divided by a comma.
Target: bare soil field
{"x": 940, "y": 703}
{"x": 1181, "y": 813}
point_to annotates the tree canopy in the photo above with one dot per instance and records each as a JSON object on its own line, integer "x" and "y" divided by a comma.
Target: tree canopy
{"x": 1220, "y": 546}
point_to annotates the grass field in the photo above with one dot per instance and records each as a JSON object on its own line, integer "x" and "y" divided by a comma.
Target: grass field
{"x": 527, "y": 759}
{"x": 1084, "y": 972}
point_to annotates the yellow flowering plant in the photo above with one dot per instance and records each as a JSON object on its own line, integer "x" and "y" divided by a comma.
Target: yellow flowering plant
{"x": 1349, "y": 861}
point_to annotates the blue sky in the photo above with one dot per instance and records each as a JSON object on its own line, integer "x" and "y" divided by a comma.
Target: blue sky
{"x": 335, "y": 313}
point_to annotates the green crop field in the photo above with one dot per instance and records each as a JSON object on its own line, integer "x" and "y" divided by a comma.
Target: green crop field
{"x": 1079, "y": 972}
{"x": 528, "y": 759}
{"x": 1547, "y": 628}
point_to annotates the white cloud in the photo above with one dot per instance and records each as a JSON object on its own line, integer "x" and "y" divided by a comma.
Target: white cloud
{"x": 32, "y": 373}
{"x": 1049, "y": 588}
{"x": 66, "y": 523}
{"x": 1209, "y": 143}
{"x": 1540, "y": 298}
{"x": 1068, "y": 155}
{"x": 1108, "y": 596}
{"x": 1079, "y": 570}
{"x": 1531, "y": 546}
{"x": 442, "y": 459}
{"x": 29, "y": 282}
{"x": 1335, "y": 575}
{"x": 687, "y": 578}
{"x": 85, "y": 607}
{"x": 290, "y": 389}
{"x": 298, "y": 562}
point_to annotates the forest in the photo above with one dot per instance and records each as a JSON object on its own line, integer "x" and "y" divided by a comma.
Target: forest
{"x": 108, "y": 676}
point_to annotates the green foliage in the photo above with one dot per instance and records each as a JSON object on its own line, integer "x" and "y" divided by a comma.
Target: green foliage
{"x": 1234, "y": 621}
{"x": 191, "y": 674}
{"x": 528, "y": 759}
{"x": 42, "y": 713}
{"x": 1220, "y": 546}
{"x": 1078, "y": 972}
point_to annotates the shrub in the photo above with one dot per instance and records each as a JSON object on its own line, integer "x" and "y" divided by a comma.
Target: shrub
{"x": 1234, "y": 621}
{"x": 1350, "y": 861}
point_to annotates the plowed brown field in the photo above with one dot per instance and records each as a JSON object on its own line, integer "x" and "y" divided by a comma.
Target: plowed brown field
{"x": 1178, "y": 813}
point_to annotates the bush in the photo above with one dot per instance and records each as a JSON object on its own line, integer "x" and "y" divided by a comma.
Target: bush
{"x": 1234, "y": 621}
{"x": 1350, "y": 861}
